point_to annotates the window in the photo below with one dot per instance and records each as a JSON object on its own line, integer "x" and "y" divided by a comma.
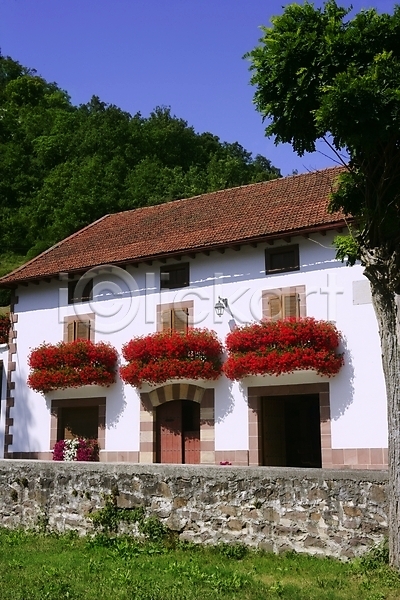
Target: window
{"x": 177, "y": 317}
{"x": 79, "y": 328}
{"x": 80, "y": 290}
{"x": 174, "y": 276}
{"x": 81, "y": 421}
{"x": 282, "y": 259}
{"x": 78, "y": 417}
{"x": 284, "y": 302}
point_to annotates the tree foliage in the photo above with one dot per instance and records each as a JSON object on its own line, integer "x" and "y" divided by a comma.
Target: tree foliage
{"x": 63, "y": 166}
{"x": 318, "y": 74}
{"x": 322, "y": 75}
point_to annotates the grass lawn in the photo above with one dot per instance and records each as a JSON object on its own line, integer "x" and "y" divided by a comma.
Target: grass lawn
{"x": 47, "y": 566}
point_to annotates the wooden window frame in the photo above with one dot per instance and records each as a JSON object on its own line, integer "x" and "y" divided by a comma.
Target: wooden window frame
{"x": 167, "y": 269}
{"x": 175, "y": 306}
{"x": 299, "y": 292}
{"x": 282, "y": 250}
{"x": 87, "y": 292}
{"x": 58, "y": 405}
{"x": 79, "y": 319}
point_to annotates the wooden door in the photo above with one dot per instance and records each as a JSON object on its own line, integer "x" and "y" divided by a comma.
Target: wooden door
{"x": 273, "y": 431}
{"x": 191, "y": 432}
{"x": 169, "y": 432}
{"x": 178, "y": 432}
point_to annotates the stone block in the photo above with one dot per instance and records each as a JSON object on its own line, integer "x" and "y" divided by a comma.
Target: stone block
{"x": 163, "y": 489}
{"x": 352, "y": 511}
{"x": 124, "y": 500}
{"x": 236, "y": 524}
{"x": 229, "y": 511}
{"x": 271, "y": 514}
{"x": 313, "y": 542}
{"x": 179, "y": 502}
{"x": 377, "y": 494}
{"x": 176, "y": 523}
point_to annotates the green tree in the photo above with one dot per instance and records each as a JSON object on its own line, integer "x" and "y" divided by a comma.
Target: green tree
{"x": 322, "y": 75}
{"x": 63, "y": 166}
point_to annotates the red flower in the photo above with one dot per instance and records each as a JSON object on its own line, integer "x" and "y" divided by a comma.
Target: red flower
{"x": 5, "y": 325}
{"x": 87, "y": 450}
{"x": 276, "y": 347}
{"x": 158, "y": 357}
{"x": 58, "y": 451}
{"x": 71, "y": 364}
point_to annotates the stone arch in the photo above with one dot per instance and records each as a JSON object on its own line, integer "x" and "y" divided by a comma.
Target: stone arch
{"x": 176, "y": 391}
{"x": 168, "y": 393}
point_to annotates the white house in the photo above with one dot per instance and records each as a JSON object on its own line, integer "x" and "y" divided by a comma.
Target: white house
{"x": 169, "y": 265}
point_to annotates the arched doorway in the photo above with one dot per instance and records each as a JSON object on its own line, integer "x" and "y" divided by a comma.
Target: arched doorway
{"x": 178, "y": 432}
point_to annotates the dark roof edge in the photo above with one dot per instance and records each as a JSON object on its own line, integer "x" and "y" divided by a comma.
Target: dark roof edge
{"x": 341, "y": 223}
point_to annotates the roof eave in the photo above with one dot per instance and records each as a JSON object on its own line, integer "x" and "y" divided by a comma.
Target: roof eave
{"x": 340, "y": 224}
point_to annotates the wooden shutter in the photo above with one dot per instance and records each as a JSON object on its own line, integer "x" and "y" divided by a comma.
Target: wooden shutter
{"x": 71, "y": 331}
{"x": 290, "y": 305}
{"x": 275, "y": 307}
{"x": 82, "y": 330}
{"x": 282, "y": 303}
{"x": 180, "y": 318}
{"x": 271, "y": 305}
{"x": 166, "y": 319}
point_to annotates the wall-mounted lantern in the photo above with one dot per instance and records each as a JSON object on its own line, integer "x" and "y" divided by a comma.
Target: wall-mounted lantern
{"x": 220, "y": 306}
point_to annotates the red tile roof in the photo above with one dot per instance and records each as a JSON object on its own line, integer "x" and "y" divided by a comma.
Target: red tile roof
{"x": 257, "y": 211}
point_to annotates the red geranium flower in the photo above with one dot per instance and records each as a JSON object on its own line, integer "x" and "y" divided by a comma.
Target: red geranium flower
{"x": 158, "y": 357}
{"x": 284, "y": 346}
{"x": 5, "y": 325}
{"x": 71, "y": 364}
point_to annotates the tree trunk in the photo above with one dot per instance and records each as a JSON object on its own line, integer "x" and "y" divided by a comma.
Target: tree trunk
{"x": 386, "y": 305}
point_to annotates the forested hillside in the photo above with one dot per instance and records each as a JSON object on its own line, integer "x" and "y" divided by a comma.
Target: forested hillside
{"x": 63, "y": 166}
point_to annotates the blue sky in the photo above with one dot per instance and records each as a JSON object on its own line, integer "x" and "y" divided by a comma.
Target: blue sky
{"x": 139, "y": 54}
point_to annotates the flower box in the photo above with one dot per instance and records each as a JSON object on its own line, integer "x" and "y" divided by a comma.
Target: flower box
{"x": 167, "y": 355}
{"x": 71, "y": 365}
{"x": 284, "y": 346}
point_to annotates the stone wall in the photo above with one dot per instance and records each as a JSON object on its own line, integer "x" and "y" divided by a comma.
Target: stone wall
{"x": 335, "y": 513}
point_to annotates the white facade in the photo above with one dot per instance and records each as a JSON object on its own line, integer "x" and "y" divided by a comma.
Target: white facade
{"x": 3, "y": 396}
{"x": 125, "y": 304}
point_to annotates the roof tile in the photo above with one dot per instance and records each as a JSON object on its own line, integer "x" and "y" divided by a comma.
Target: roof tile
{"x": 233, "y": 216}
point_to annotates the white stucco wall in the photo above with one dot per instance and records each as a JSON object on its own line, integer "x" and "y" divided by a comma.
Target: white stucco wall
{"x": 3, "y": 395}
{"x": 357, "y": 393}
